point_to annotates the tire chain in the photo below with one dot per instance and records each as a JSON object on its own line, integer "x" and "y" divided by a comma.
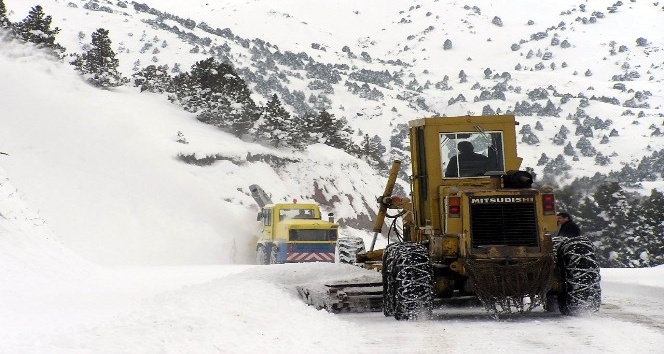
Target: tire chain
{"x": 413, "y": 279}
{"x": 581, "y": 276}
{"x": 348, "y": 248}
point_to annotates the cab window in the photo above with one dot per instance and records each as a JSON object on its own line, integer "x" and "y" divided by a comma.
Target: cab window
{"x": 471, "y": 154}
{"x": 296, "y": 214}
{"x": 267, "y": 217}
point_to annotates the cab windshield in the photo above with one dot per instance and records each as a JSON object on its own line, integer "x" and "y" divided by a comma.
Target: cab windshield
{"x": 471, "y": 154}
{"x": 296, "y": 214}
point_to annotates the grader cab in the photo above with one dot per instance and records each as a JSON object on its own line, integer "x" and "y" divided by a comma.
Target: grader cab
{"x": 475, "y": 226}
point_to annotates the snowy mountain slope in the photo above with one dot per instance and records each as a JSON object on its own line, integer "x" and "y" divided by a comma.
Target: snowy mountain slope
{"x": 280, "y": 47}
{"x": 33, "y": 247}
{"x": 98, "y": 172}
{"x": 67, "y": 149}
{"x": 284, "y": 48}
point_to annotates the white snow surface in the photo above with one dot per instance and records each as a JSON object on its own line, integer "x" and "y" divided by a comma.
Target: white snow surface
{"x": 52, "y": 301}
{"x": 109, "y": 244}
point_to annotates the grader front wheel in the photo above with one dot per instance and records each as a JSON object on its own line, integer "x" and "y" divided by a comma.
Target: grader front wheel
{"x": 580, "y": 273}
{"x": 389, "y": 278}
{"x": 412, "y": 274}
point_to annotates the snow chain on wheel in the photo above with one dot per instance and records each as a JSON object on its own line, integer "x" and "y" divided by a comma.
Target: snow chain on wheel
{"x": 261, "y": 255}
{"x": 389, "y": 279}
{"x": 413, "y": 282}
{"x": 580, "y": 272}
{"x": 274, "y": 253}
{"x": 348, "y": 248}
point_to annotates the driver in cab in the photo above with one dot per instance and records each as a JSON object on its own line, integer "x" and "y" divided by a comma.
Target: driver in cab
{"x": 470, "y": 163}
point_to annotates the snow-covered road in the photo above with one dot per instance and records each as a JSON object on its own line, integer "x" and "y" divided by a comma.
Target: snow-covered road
{"x": 251, "y": 309}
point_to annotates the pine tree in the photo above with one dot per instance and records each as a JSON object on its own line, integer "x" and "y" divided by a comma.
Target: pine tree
{"x": 36, "y": 28}
{"x": 585, "y": 147}
{"x": 328, "y": 130}
{"x": 528, "y": 136}
{"x": 219, "y": 94}
{"x": 153, "y": 79}
{"x": 4, "y": 20}
{"x": 557, "y": 166}
{"x": 618, "y": 216}
{"x": 301, "y": 136}
{"x": 647, "y": 243}
{"x": 371, "y": 150}
{"x": 276, "y": 124}
{"x": 569, "y": 150}
{"x": 99, "y": 65}
{"x": 542, "y": 160}
{"x": 184, "y": 88}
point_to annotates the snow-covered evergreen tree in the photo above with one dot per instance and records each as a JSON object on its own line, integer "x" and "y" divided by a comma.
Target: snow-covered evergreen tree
{"x": 617, "y": 212}
{"x": 275, "y": 123}
{"x": 153, "y": 79}
{"x": 219, "y": 95}
{"x": 462, "y": 76}
{"x": 569, "y": 150}
{"x": 528, "y": 136}
{"x": 488, "y": 111}
{"x": 602, "y": 160}
{"x": 557, "y": 166}
{"x": 585, "y": 147}
{"x": 186, "y": 91}
{"x": 371, "y": 150}
{"x": 325, "y": 128}
{"x": 99, "y": 65}
{"x": 542, "y": 160}
{"x": 4, "y": 20}
{"x": 647, "y": 243}
{"x": 561, "y": 136}
{"x": 36, "y": 28}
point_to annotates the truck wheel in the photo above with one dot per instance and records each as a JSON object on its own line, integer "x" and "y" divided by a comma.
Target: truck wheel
{"x": 388, "y": 278}
{"x": 413, "y": 286}
{"x": 261, "y": 255}
{"x": 274, "y": 252}
{"x": 580, "y": 274}
{"x": 348, "y": 248}
{"x": 551, "y": 302}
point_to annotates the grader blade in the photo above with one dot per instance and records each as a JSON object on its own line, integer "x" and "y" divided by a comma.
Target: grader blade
{"x": 337, "y": 298}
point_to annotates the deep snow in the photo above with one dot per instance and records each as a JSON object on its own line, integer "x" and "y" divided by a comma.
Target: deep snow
{"x": 54, "y": 301}
{"x": 91, "y": 179}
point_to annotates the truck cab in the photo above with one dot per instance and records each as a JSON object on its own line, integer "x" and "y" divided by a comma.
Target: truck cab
{"x": 294, "y": 233}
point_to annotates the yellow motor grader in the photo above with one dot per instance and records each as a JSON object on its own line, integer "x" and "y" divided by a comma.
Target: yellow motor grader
{"x": 474, "y": 226}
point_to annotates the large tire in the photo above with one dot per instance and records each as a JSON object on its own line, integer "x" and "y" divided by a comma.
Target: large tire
{"x": 413, "y": 283}
{"x": 274, "y": 253}
{"x": 389, "y": 278}
{"x": 347, "y": 249}
{"x": 261, "y": 255}
{"x": 580, "y": 276}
